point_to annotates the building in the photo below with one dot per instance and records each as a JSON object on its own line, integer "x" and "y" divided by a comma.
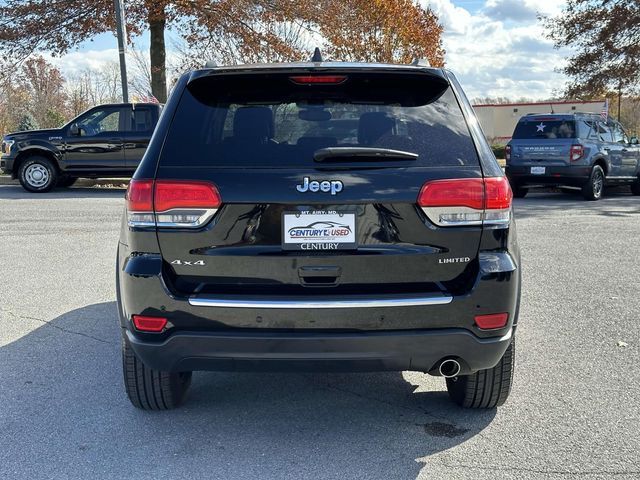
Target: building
{"x": 499, "y": 120}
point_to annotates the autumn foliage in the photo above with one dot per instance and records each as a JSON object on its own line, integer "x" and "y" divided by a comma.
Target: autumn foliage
{"x": 606, "y": 37}
{"x": 232, "y": 31}
{"x": 391, "y": 31}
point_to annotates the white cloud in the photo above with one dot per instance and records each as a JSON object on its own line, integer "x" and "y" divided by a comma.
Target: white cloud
{"x": 78, "y": 61}
{"x": 501, "y": 49}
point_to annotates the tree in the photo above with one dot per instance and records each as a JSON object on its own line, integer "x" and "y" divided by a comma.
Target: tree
{"x": 254, "y": 34}
{"x": 45, "y": 86}
{"x": 14, "y": 102}
{"x": 27, "y": 26}
{"x": 92, "y": 87}
{"x": 232, "y": 30}
{"x": 606, "y": 37}
{"x": 27, "y": 122}
{"x": 393, "y": 31}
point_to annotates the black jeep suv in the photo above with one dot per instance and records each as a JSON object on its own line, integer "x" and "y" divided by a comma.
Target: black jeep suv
{"x": 318, "y": 216}
{"x": 107, "y": 141}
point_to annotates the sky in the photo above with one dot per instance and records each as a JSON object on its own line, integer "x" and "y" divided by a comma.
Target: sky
{"x": 497, "y": 48}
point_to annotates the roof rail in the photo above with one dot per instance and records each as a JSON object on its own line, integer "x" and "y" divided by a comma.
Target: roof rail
{"x": 210, "y": 64}
{"x": 420, "y": 62}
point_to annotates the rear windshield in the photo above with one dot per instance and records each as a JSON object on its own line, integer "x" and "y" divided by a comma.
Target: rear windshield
{"x": 544, "y": 128}
{"x": 267, "y": 120}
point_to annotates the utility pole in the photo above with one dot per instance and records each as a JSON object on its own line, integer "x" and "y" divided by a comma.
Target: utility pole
{"x": 619, "y": 98}
{"x": 122, "y": 39}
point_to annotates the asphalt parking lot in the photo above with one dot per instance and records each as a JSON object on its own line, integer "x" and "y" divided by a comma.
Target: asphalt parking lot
{"x": 574, "y": 411}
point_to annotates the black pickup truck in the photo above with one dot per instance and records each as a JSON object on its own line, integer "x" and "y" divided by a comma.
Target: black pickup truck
{"x": 107, "y": 141}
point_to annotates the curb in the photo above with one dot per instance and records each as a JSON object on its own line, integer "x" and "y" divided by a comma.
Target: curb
{"x": 82, "y": 182}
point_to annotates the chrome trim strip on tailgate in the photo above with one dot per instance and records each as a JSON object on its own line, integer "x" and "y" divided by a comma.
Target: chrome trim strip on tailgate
{"x": 362, "y": 302}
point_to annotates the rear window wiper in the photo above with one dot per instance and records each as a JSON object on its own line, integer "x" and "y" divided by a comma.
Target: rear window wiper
{"x": 356, "y": 154}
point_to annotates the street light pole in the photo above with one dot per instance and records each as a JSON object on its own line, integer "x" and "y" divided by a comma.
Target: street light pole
{"x": 122, "y": 39}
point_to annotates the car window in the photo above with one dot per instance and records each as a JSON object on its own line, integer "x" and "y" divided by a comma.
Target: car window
{"x": 281, "y": 125}
{"x": 544, "y": 128}
{"x": 618, "y": 134}
{"x": 588, "y": 129}
{"x": 141, "y": 120}
{"x": 96, "y": 122}
{"x": 604, "y": 132}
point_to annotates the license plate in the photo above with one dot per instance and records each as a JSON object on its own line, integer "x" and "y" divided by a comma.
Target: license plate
{"x": 538, "y": 170}
{"x": 318, "y": 230}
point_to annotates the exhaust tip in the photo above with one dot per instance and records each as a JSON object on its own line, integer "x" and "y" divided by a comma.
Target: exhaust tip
{"x": 449, "y": 368}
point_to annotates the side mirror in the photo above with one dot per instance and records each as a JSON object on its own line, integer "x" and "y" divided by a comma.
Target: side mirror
{"x": 633, "y": 141}
{"x": 74, "y": 130}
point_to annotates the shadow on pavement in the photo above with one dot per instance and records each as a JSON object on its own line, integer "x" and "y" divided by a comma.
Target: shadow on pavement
{"x": 64, "y": 414}
{"x": 13, "y": 192}
{"x": 616, "y": 202}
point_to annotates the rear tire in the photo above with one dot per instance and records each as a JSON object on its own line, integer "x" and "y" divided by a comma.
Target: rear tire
{"x": 520, "y": 192}
{"x": 150, "y": 389}
{"x": 37, "y": 174}
{"x": 592, "y": 190}
{"x": 486, "y": 388}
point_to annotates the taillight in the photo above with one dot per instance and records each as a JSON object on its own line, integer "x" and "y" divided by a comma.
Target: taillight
{"x": 145, "y": 323}
{"x": 140, "y": 203}
{"x": 576, "y": 152}
{"x": 318, "y": 79}
{"x": 467, "y": 201}
{"x": 171, "y": 203}
{"x": 507, "y": 153}
{"x": 491, "y": 321}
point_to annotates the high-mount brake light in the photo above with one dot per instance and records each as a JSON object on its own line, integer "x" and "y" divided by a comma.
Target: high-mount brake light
{"x": 318, "y": 79}
{"x": 576, "y": 152}
{"x": 171, "y": 203}
{"x": 467, "y": 201}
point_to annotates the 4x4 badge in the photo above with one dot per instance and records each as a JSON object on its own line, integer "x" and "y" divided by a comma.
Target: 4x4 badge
{"x": 333, "y": 186}
{"x": 185, "y": 262}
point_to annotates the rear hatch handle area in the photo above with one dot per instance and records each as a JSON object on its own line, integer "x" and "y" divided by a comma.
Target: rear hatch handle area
{"x": 319, "y": 275}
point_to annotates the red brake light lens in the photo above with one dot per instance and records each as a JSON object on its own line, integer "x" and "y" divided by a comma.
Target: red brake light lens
{"x": 467, "y": 201}
{"x": 149, "y": 324}
{"x": 140, "y": 196}
{"x": 170, "y": 194}
{"x": 318, "y": 79}
{"x": 491, "y": 321}
{"x": 498, "y": 194}
{"x": 467, "y": 192}
{"x": 171, "y": 203}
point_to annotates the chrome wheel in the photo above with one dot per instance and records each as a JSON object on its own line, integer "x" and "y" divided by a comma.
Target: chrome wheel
{"x": 597, "y": 183}
{"x": 37, "y": 175}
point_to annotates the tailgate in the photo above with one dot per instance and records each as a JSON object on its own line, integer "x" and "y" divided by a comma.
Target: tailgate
{"x": 382, "y": 243}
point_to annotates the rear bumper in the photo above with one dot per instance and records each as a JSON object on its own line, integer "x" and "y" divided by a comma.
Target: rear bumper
{"x": 317, "y": 332}
{"x": 309, "y": 351}
{"x": 575, "y": 176}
